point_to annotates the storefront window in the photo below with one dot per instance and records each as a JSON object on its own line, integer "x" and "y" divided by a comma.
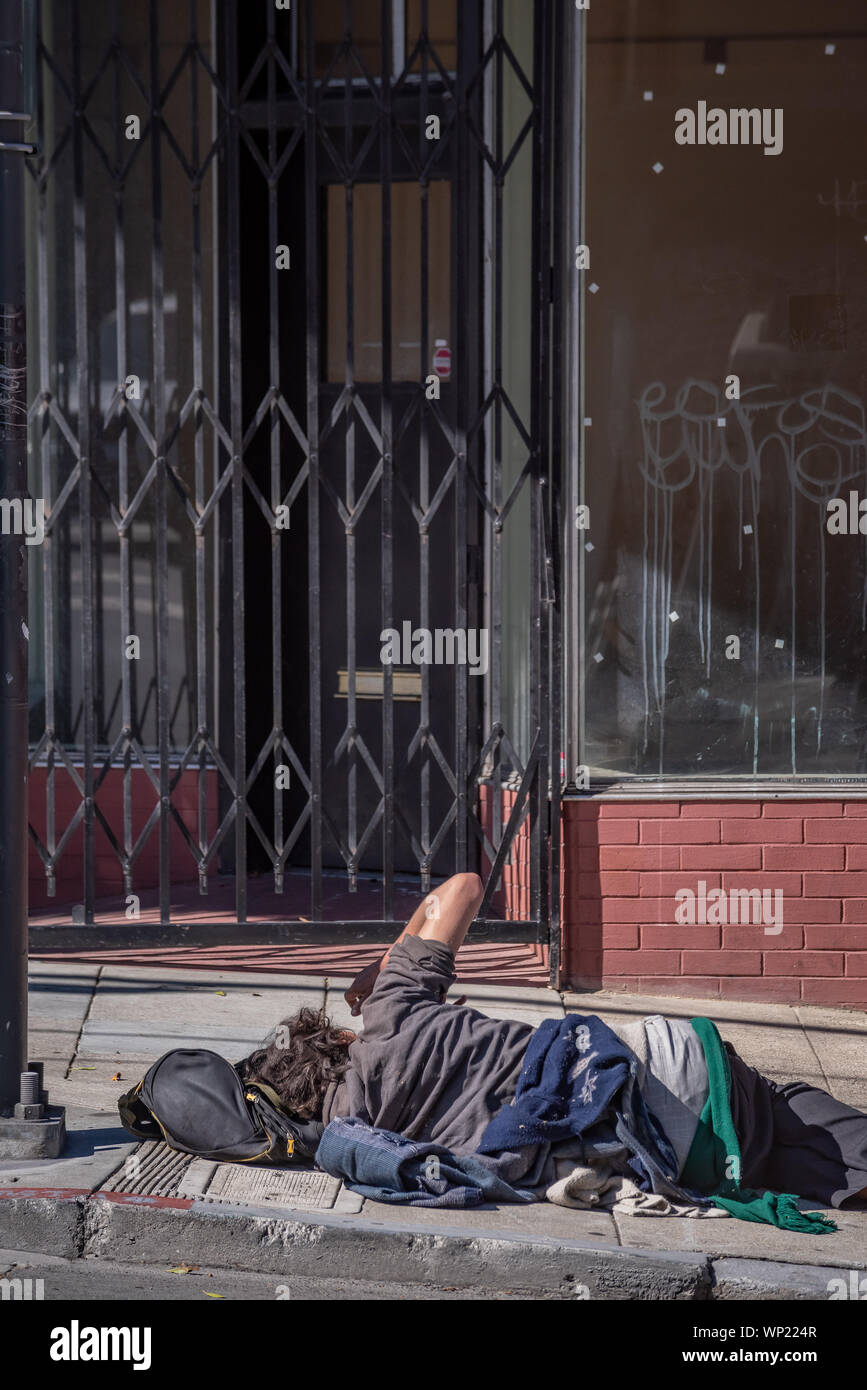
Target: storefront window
{"x": 726, "y": 380}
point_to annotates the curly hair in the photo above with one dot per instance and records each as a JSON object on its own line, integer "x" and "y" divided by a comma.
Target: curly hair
{"x": 306, "y": 1054}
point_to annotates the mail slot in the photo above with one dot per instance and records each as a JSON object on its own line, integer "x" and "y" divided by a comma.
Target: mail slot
{"x": 370, "y": 685}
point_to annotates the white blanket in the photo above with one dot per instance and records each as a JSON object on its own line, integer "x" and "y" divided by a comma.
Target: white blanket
{"x": 598, "y": 1187}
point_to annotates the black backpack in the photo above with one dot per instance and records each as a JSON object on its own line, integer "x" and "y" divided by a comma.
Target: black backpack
{"x": 196, "y": 1101}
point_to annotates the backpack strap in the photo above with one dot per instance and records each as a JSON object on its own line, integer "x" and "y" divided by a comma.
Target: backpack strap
{"x": 135, "y": 1116}
{"x": 270, "y": 1093}
{"x": 301, "y": 1137}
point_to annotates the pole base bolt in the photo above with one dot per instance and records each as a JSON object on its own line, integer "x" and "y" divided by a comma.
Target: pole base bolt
{"x": 30, "y": 1083}
{"x": 29, "y": 1112}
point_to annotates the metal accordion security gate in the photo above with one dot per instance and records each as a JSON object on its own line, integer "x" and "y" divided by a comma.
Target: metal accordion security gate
{"x": 294, "y": 619}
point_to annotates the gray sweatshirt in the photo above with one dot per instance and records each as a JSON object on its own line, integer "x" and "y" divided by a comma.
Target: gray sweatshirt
{"x": 426, "y": 1069}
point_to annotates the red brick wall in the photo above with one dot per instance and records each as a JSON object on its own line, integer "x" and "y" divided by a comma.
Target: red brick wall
{"x": 109, "y": 799}
{"x": 512, "y": 899}
{"x": 623, "y": 862}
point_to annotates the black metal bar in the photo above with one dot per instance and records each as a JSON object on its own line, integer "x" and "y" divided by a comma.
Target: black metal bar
{"x": 470, "y": 391}
{"x": 239, "y": 703}
{"x": 311, "y": 216}
{"x": 387, "y": 483}
{"x": 352, "y": 758}
{"x": 275, "y": 434}
{"x": 125, "y": 550}
{"x": 49, "y": 545}
{"x": 13, "y": 590}
{"x": 539, "y": 431}
{"x": 424, "y": 498}
{"x": 224, "y": 682}
{"x": 496, "y": 469}
{"x": 202, "y": 614}
{"x": 461, "y": 371}
{"x": 539, "y": 260}
{"x": 161, "y": 489}
{"x": 85, "y": 445}
{"x": 107, "y": 936}
{"x": 288, "y": 112}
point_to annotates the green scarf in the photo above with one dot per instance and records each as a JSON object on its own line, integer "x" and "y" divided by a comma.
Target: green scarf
{"x": 713, "y": 1165}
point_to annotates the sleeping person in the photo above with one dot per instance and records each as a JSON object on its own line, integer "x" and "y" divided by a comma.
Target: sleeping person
{"x": 442, "y": 1073}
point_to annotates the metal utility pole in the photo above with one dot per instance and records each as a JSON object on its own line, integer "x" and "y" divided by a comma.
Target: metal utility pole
{"x": 28, "y": 1128}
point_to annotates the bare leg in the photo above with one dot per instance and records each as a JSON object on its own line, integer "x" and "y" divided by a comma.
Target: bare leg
{"x": 444, "y": 915}
{"x": 450, "y": 909}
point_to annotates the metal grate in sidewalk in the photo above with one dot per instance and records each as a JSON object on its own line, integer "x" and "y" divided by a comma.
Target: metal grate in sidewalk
{"x": 242, "y": 1186}
{"x": 154, "y": 1170}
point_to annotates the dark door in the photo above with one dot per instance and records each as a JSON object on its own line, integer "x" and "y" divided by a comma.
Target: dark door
{"x": 362, "y": 311}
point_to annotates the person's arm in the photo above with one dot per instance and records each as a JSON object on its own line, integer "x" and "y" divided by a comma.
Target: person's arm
{"x": 444, "y": 915}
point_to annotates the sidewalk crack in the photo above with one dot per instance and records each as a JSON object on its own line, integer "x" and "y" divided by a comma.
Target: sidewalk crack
{"x": 84, "y": 1021}
{"x": 812, "y": 1048}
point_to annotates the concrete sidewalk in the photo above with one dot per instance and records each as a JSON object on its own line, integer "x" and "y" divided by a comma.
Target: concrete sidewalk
{"x": 98, "y": 1028}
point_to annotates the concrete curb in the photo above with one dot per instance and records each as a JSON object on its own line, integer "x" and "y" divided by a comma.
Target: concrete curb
{"x": 47, "y": 1225}
{"x": 329, "y": 1245}
{"x": 326, "y": 1245}
{"x": 754, "y": 1279}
